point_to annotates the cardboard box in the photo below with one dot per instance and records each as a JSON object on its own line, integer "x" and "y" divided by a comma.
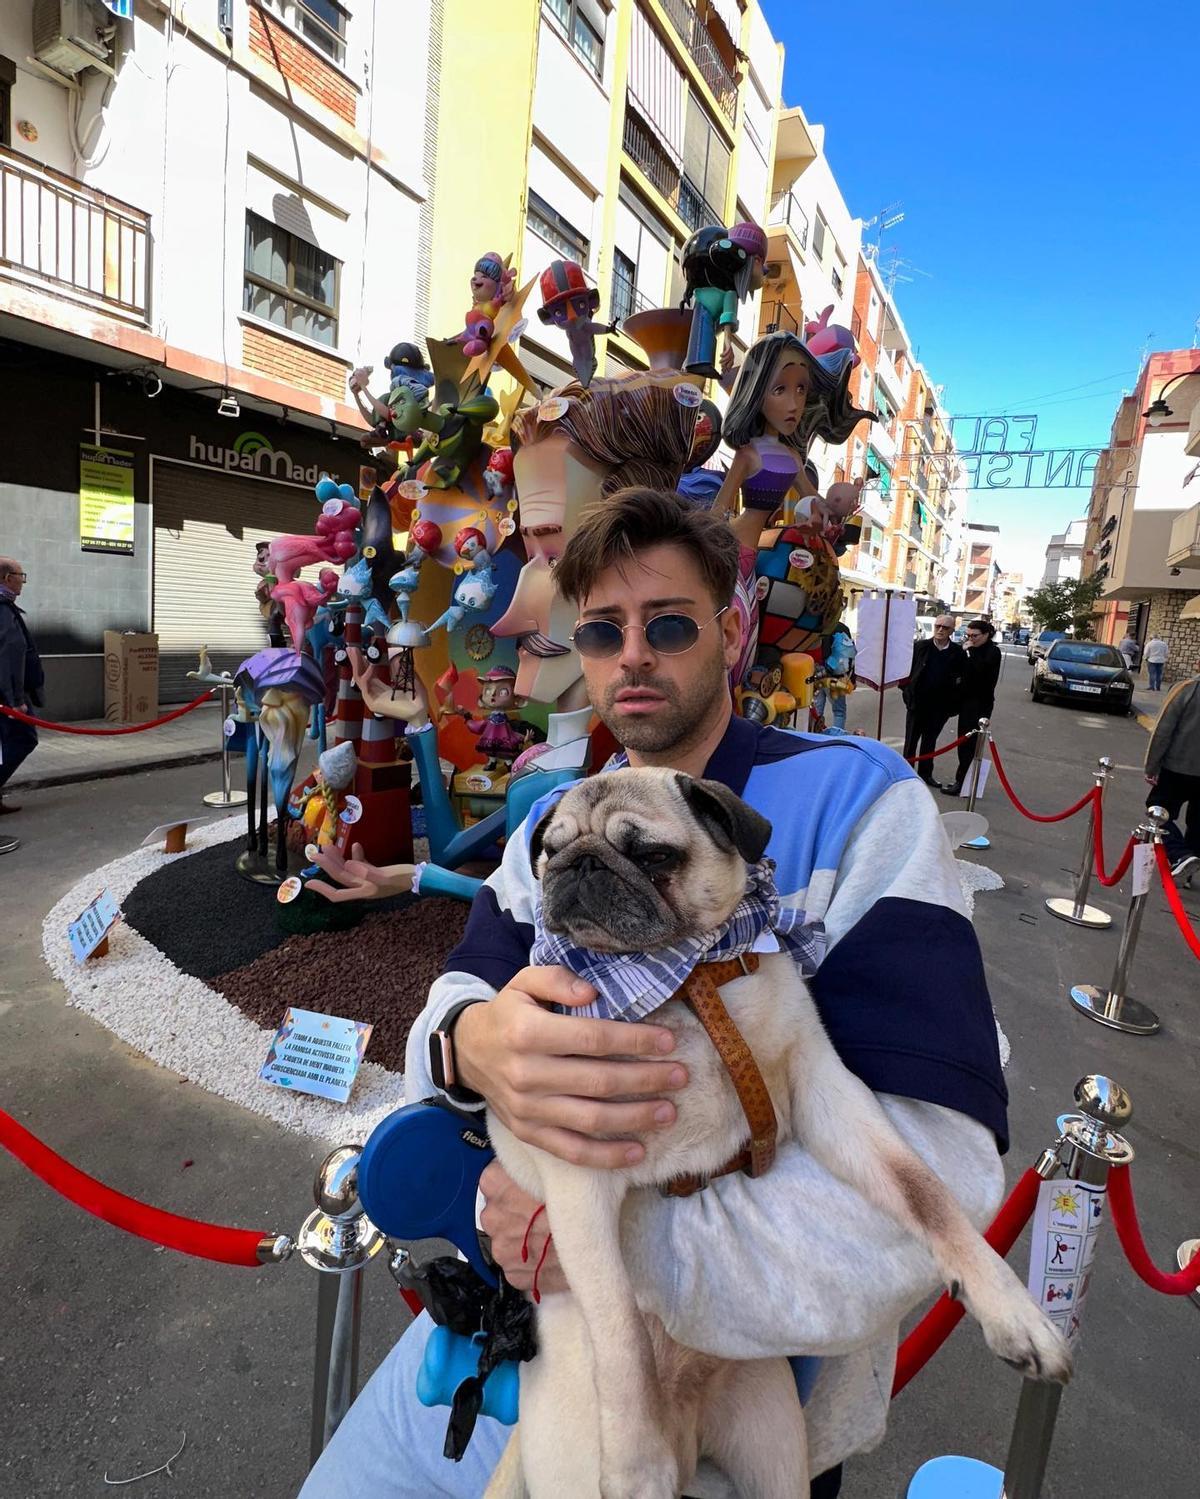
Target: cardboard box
{"x": 130, "y": 677}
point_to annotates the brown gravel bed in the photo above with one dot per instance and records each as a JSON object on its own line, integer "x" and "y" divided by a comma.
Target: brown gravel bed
{"x": 379, "y": 971}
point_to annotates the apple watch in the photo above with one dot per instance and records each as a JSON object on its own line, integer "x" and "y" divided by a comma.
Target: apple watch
{"x": 442, "y": 1067}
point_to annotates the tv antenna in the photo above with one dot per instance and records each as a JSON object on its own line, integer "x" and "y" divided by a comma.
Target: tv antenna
{"x": 887, "y": 218}
{"x": 897, "y": 267}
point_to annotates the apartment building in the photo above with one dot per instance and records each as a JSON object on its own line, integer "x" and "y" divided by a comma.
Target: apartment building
{"x": 207, "y": 223}
{"x": 1143, "y": 535}
{"x": 981, "y": 571}
{"x": 1064, "y": 553}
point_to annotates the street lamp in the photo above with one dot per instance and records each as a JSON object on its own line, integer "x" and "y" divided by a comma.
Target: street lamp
{"x": 1158, "y": 411}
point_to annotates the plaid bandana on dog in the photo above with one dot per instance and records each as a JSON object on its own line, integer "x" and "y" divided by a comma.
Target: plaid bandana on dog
{"x": 631, "y": 986}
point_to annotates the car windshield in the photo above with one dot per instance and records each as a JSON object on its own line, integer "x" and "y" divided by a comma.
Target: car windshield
{"x": 1086, "y": 653}
{"x": 1051, "y": 635}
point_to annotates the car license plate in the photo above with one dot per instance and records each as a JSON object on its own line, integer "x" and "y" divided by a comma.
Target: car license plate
{"x": 1084, "y": 687}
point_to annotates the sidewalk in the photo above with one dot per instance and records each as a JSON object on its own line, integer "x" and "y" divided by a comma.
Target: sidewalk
{"x": 61, "y": 759}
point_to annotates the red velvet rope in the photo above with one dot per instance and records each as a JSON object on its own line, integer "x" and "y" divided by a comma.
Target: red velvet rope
{"x": 1023, "y": 810}
{"x": 1123, "y": 862}
{"x": 207, "y": 1241}
{"x": 133, "y": 728}
{"x": 1125, "y": 1220}
{"x": 1171, "y": 891}
{"x": 945, "y": 749}
{"x": 944, "y": 1316}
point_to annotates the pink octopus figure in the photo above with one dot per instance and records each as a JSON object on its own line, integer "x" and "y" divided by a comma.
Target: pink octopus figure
{"x": 300, "y": 600}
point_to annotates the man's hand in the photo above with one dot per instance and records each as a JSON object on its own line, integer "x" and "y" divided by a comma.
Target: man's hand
{"x": 552, "y": 1078}
{"x": 358, "y": 879}
{"x": 507, "y": 1219}
{"x": 1151, "y": 780}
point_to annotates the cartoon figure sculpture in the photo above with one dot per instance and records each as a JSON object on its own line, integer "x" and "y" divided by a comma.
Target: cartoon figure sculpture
{"x": 492, "y": 285}
{"x": 569, "y": 303}
{"x": 831, "y": 512}
{"x": 783, "y": 397}
{"x": 700, "y": 485}
{"x": 476, "y": 589}
{"x": 722, "y": 268}
{"x": 452, "y": 434}
{"x": 406, "y": 365}
{"x": 320, "y": 799}
{"x": 499, "y": 741}
{"x": 300, "y": 601}
{"x": 279, "y": 686}
{"x": 286, "y": 555}
{"x": 498, "y": 475}
{"x": 426, "y": 538}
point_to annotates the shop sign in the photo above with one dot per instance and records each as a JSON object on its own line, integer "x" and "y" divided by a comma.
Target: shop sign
{"x": 105, "y": 500}
{"x": 253, "y": 454}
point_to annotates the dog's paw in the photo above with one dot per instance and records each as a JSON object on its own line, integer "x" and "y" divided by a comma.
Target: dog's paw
{"x": 1024, "y": 1337}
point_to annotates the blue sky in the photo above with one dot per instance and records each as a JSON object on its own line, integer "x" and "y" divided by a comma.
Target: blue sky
{"x": 1047, "y": 157}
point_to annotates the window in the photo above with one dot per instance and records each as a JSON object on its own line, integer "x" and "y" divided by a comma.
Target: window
{"x": 624, "y": 287}
{"x": 290, "y": 282}
{"x": 583, "y": 24}
{"x": 705, "y": 169}
{"x": 8, "y": 76}
{"x": 322, "y": 23}
{"x": 836, "y": 278}
{"x": 819, "y": 230}
{"x": 555, "y": 230}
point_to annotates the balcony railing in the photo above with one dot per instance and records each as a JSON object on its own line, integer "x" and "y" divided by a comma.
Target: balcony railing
{"x": 626, "y": 299}
{"x": 779, "y": 320}
{"x": 79, "y": 243}
{"x": 703, "y": 52}
{"x": 1184, "y": 548}
{"x": 786, "y": 210}
{"x": 694, "y": 208}
{"x": 647, "y": 151}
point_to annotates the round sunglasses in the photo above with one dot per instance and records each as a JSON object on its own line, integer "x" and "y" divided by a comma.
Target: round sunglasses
{"x": 666, "y": 634}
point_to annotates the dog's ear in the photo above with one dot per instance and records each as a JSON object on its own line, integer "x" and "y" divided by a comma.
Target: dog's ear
{"x": 538, "y": 836}
{"x": 727, "y": 818}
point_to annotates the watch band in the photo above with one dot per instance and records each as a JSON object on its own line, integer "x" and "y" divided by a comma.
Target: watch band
{"x": 442, "y": 1059}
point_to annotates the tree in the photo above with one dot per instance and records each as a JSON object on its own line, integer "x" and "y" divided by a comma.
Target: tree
{"x": 1065, "y": 605}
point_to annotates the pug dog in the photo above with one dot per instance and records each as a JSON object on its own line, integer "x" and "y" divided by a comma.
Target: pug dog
{"x": 637, "y": 860}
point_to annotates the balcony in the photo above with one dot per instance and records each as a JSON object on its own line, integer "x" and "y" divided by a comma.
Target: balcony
{"x": 888, "y": 376}
{"x": 1184, "y": 549}
{"x": 626, "y": 299}
{"x": 79, "y": 244}
{"x": 777, "y": 319}
{"x": 786, "y": 211}
{"x": 694, "y": 208}
{"x": 648, "y": 153}
{"x": 703, "y": 51}
{"x": 883, "y": 442}
{"x": 910, "y": 581}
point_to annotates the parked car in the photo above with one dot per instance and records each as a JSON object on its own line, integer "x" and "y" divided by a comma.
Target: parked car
{"x": 1042, "y": 642}
{"x": 1085, "y": 673}
{"x": 1022, "y": 636}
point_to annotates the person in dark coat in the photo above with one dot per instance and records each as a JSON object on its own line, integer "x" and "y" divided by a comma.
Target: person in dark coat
{"x": 980, "y": 675}
{"x": 932, "y": 692}
{"x": 21, "y": 679}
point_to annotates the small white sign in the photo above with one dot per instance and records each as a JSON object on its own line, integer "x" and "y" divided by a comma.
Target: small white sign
{"x": 156, "y": 835}
{"x": 1066, "y": 1223}
{"x": 352, "y": 811}
{"x": 982, "y": 766}
{"x": 1142, "y": 868}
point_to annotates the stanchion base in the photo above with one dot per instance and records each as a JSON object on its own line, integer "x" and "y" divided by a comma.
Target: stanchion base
{"x": 980, "y": 842}
{"x": 956, "y": 1478}
{"x": 1064, "y": 908}
{"x": 219, "y": 799}
{"x": 1119, "y": 1014}
{"x": 251, "y": 865}
{"x": 1184, "y": 1256}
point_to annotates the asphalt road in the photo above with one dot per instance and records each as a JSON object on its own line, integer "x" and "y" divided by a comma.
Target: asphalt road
{"x": 113, "y": 1350}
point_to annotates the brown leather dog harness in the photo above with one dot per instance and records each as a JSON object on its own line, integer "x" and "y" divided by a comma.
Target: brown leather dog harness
{"x": 701, "y": 994}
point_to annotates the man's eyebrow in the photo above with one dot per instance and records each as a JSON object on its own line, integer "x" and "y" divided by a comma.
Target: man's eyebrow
{"x": 604, "y": 609}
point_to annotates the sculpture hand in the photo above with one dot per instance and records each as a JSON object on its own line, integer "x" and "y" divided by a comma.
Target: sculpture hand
{"x": 357, "y": 879}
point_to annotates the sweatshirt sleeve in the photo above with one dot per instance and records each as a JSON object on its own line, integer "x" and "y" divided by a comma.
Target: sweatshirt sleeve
{"x": 1164, "y": 729}
{"x": 494, "y": 948}
{"x": 796, "y": 1262}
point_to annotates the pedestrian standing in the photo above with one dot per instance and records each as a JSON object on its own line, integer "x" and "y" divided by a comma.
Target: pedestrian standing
{"x": 838, "y": 680}
{"x": 1130, "y": 651}
{"x": 981, "y": 672}
{"x": 932, "y": 692}
{"x": 1157, "y": 651}
{"x": 21, "y": 679}
{"x": 1173, "y": 771}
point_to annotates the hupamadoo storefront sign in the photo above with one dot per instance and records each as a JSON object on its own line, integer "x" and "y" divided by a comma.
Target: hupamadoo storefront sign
{"x": 252, "y": 453}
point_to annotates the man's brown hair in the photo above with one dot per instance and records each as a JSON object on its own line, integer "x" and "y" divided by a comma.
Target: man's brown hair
{"x": 616, "y": 529}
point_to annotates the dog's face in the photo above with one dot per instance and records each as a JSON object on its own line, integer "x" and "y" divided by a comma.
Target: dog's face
{"x": 635, "y": 860}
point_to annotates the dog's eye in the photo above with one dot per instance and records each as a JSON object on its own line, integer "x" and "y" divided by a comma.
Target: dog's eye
{"x": 656, "y": 861}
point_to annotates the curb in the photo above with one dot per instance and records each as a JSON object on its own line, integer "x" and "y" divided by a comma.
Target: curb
{"x": 109, "y": 772}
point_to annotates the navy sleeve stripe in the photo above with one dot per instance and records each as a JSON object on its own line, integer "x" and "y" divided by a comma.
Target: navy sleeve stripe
{"x": 495, "y": 946}
{"x": 929, "y": 1033}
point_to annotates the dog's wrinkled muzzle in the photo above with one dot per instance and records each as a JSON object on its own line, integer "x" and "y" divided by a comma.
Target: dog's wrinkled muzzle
{"x": 596, "y": 904}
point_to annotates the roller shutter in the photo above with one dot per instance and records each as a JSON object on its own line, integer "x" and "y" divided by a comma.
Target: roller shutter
{"x": 206, "y": 525}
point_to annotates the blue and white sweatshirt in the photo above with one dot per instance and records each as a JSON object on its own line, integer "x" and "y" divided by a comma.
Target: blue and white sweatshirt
{"x": 795, "y": 1262}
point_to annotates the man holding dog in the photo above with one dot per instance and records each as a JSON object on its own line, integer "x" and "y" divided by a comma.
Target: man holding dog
{"x": 790, "y": 1263}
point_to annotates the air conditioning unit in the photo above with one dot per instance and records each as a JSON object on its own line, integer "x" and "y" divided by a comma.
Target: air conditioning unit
{"x": 66, "y": 35}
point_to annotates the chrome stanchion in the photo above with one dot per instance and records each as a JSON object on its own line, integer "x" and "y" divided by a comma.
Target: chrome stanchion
{"x": 1112, "y": 1006}
{"x": 337, "y": 1240}
{"x": 1184, "y": 1256}
{"x": 1089, "y": 1144}
{"x": 982, "y": 737}
{"x": 1076, "y": 909}
{"x": 227, "y": 796}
